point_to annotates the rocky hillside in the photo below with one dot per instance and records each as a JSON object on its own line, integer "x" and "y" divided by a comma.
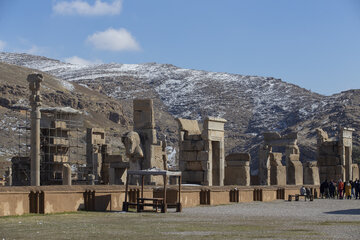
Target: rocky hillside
{"x": 251, "y": 104}
{"x": 97, "y": 109}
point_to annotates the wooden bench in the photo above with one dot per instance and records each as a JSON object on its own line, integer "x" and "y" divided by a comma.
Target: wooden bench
{"x": 156, "y": 203}
{"x": 298, "y": 196}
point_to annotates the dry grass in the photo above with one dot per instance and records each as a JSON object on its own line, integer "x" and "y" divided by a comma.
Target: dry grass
{"x": 256, "y": 220}
{"x": 95, "y": 225}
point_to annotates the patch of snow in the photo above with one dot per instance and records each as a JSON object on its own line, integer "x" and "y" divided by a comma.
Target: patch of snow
{"x": 67, "y": 85}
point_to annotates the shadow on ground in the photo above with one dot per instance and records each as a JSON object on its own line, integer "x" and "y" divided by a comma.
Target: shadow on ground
{"x": 347, "y": 212}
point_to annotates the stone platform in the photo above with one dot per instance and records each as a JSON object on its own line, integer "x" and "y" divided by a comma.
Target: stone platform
{"x": 55, "y": 199}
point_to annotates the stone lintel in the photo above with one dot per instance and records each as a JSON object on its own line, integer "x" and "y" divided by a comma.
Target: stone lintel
{"x": 190, "y": 126}
{"x": 238, "y": 157}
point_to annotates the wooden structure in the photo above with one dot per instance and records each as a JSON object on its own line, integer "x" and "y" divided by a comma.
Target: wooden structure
{"x": 155, "y": 203}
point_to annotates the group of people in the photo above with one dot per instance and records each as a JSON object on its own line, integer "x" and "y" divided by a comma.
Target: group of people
{"x": 340, "y": 190}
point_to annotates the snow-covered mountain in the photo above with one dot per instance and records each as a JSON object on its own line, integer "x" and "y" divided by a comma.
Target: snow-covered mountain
{"x": 251, "y": 104}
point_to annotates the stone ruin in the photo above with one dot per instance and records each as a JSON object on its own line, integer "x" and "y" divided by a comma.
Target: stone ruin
{"x": 334, "y": 156}
{"x": 143, "y": 148}
{"x": 102, "y": 166}
{"x": 277, "y": 170}
{"x": 237, "y": 169}
{"x": 35, "y": 80}
{"x": 271, "y": 169}
{"x": 201, "y": 153}
{"x": 311, "y": 173}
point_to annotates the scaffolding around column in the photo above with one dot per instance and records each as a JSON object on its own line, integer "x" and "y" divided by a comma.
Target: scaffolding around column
{"x": 62, "y": 141}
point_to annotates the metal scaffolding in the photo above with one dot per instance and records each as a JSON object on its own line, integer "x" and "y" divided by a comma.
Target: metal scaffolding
{"x": 62, "y": 140}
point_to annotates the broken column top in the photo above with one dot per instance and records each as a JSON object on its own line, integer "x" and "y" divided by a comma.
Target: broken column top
{"x": 143, "y": 114}
{"x": 346, "y": 132}
{"x": 214, "y": 123}
{"x": 190, "y": 126}
{"x": 275, "y": 139}
{"x": 35, "y": 80}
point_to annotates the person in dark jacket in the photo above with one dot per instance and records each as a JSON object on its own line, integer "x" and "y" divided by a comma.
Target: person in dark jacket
{"x": 353, "y": 185}
{"x": 322, "y": 189}
{"x": 357, "y": 188}
{"x": 326, "y": 189}
{"x": 331, "y": 189}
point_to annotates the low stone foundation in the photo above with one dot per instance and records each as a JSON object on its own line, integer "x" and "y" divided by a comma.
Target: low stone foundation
{"x": 55, "y": 199}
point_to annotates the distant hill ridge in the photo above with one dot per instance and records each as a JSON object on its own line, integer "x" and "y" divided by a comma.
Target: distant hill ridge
{"x": 251, "y": 104}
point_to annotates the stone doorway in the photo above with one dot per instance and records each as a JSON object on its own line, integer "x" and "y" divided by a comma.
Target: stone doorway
{"x": 215, "y": 146}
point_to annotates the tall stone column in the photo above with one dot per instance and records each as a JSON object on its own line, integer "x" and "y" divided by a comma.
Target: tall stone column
{"x": 35, "y": 80}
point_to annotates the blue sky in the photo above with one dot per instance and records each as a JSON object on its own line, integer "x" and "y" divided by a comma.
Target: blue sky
{"x": 311, "y": 43}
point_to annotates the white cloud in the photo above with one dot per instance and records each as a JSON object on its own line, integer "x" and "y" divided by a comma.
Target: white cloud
{"x": 80, "y": 61}
{"x": 114, "y": 40}
{"x": 35, "y": 50}
{"x": 2, "y": 45}
{"x": 80, "y": 7}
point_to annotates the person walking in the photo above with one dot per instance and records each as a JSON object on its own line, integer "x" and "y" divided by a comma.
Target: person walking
{"x": 322, "y": 189}
{"x": 326, "y": 189}
{"x": 348, "y": 190}
{"x": 352, "y": 183}
{"x": 357, "y": 188}
{"x": 340, "y": 189}
{"x": 332, "y": 189}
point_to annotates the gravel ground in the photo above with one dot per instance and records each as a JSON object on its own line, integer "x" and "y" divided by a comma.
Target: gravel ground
{"x": 326, "y": 218}
{"x": 318, "y": 210}
{"x": 320, "y": 219}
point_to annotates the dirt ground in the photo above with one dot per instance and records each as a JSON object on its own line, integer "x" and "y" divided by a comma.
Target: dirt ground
{"x": 321, "y": 219}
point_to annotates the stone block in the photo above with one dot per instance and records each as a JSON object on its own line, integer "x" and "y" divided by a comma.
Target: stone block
{"x": 186, "y": 145}
{"x": 148, "y": 136}
{"x": 202, "y": 156}
{"x": 294, "y": 157}
{"x": 340, "y": 170}
{"x": 190, "y": 126}
{"x": 194, "y": 166}
{"x": 238, "y": 157}
{"x": 212, "y": 123}
{"x": 143, "y": 114}
{"x": 218, "y": 126}
{"x": 188, "y": 156}
{"x": 199, "y": 145}
{"x": 332, "y": 160}
{"x": 355, "y": 171}
{"x": 237, "y": 175}
{"x": 278, "y": 175}
{"x": 157, "y": 157}
{"x": 192, "y": 137}
{"x": 311, "y": 173}
{"x": 237, "y": 163}
{"x": 195, "y": 177}
{"x": 213, "y": 135}
{"x": 143, "y": 120}
{"x": 294, "y": 172}
{"x": 143, "y": 104}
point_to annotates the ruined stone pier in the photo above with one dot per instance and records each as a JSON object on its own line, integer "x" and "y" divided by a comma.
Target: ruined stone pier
{"x": 35, "y": 80}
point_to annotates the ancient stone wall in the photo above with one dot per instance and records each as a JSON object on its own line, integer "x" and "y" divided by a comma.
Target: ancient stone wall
{"x": 237, "y": 169}
{"x": 334, "y": 156}
{"x": 294, "y": 171}
{"x": 202, "y": 154}
{"x": 277, "y": 170}
{"x": 311, "y": 173}
{"x": 142, "y": 146}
